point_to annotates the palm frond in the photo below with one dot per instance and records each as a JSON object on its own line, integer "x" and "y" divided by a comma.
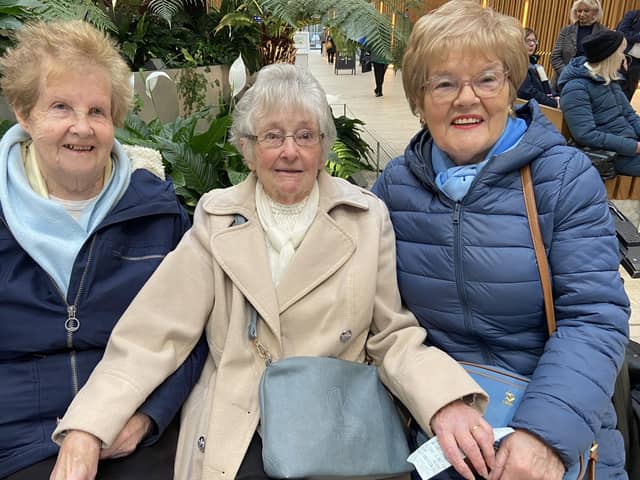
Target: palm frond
{"x": 75, "y": 10}
{"x": 354, "y": 19}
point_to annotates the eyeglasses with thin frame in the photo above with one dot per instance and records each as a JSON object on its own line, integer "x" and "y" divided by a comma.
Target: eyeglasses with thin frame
{"x": 531, "y": 41}
{"x": 446, "y": 88}
{"x": 275, "y": 139}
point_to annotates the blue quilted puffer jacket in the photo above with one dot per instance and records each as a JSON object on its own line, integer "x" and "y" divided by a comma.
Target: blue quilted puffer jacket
{"x": 597, "y": 115}
{"x": 467, "y": 270}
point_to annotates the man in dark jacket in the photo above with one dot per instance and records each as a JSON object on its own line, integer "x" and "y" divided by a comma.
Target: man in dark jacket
{"x": 630, "y": 28}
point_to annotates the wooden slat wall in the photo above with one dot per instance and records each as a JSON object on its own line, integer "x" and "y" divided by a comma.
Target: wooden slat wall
{"x": 547, "y": 17}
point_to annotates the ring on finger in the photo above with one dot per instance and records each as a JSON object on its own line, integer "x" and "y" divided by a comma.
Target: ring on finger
{"x": 474, "y": 428}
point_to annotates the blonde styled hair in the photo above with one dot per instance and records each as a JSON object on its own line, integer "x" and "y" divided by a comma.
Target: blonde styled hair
{"x": 42, "y": 48}
{"x": 592, "y": 4}
{"x": 608, "y": 68}
{"x": 462, "y": 26}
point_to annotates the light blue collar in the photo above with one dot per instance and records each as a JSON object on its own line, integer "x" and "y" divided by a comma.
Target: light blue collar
{"x": 41, "y": 226}
{"x": 454, "y": 181}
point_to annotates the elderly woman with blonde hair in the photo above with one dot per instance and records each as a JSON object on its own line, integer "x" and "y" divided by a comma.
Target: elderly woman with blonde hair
{"x": 585, "y": 18}
{"x": 84, "y": 221}
{"x": 466, "y": 262}
{"x": 314, "y": 256}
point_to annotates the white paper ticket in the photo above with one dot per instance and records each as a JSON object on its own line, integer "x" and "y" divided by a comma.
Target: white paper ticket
{"x": 429, "y": 459}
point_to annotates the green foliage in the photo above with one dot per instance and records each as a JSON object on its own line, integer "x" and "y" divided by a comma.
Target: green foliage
{"x": 350, "y": 153}
{"x": 353, "y": 19}
{"x": 191, "y": 40}
{"x": 14, "y": 13}
{"x": 196, "y": 162}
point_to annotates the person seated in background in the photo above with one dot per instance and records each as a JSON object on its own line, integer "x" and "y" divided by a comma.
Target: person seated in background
{"x": 595, "y": 108}
{"x": 536, "y": 84}
{"x": 585, "y": 19}
{"x": 314, "y": 257}
{"x": 84, "y": 222}
{"x": 630, "y": 28}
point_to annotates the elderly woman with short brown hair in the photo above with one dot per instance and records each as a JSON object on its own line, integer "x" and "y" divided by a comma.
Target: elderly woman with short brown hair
{"x": 315, "y": 257}
{"x": 84, "y": 221}
{"x": 466, "y": 262}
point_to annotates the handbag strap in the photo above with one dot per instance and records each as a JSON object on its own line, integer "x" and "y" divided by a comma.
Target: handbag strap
{"x": 545, "y": 279}
{"x": 538, "y": 247}
{"x": 252, "y": 330}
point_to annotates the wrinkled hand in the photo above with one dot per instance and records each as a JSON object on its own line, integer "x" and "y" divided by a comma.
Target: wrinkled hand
{"x": 461, "y": 427}
{"x": 77, "y": 458}
{"x": 522, "y": 456}
{"x": 129, "y": 437}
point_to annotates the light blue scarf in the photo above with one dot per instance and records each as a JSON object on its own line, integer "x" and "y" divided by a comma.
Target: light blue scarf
{"x": 454, "y": 181}
{"x": 41, "y": 226}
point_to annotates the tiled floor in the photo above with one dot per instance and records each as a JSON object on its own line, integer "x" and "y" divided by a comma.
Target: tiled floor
{"x": 389, "y": 120}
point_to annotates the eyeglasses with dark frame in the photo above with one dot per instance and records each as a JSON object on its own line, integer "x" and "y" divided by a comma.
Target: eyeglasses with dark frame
{"x": 275, "y": 139}
{"x": 531, "y": 41}
{"x": 446, "y": 88}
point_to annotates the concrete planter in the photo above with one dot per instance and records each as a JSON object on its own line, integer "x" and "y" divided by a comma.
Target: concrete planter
{"x": 166, "y": 103}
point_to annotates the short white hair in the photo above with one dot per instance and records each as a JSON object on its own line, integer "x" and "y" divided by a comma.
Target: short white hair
{"x": 282, "y": 87}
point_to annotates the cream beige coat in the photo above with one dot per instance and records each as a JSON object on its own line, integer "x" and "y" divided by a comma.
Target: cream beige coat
{"x": 340, "y": 283}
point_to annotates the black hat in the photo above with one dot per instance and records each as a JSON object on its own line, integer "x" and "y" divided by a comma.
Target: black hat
{"x": 601, "y": 45}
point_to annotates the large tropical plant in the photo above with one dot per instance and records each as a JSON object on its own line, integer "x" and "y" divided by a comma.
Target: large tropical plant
{"x": 14, "y": 13}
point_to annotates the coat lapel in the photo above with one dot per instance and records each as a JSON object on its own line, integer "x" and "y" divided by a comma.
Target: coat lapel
{"x": 326, "y": 246}
{"x": 241, "y": 252}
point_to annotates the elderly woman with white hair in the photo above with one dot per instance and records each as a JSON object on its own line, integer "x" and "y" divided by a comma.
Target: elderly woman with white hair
{"x": 585, "y": 20}
{"x": 314, "y": 255}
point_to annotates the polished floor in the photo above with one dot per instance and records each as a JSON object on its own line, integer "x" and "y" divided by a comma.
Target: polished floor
{"x": 390, "y": 124}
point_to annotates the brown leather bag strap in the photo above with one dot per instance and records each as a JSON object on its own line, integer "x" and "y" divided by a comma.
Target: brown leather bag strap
{"x": 545, "y": 279}
{"x": 538, "y": 246}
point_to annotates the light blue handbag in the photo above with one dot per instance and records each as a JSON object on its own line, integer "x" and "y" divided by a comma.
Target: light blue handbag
{"x": 326, "y": 417}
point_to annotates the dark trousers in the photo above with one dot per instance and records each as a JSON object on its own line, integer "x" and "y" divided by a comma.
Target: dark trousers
{"x": 331, "y": 53}
{"x": 632, "y": 76}
{"x": 153, "y": 462}
{"x": 252, "y": 467}
{"x": 379, "y": 70}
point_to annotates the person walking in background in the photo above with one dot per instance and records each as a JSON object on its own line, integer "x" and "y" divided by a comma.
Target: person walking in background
{"x": 380, "y": 65}
{"x": 323, "y": 40}
{"x": 456, "y": 202}
{"x": 630, "y": 28}
{"x": 536, "y": 84}
{"x": 585, "y": 19}
{"x": 595, "y": 108}
{"x": 331, "y": 48}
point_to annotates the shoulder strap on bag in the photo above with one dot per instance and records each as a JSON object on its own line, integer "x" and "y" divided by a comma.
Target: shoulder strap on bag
{"x": 538, "y": 246}
{"x": 545, "y": 279}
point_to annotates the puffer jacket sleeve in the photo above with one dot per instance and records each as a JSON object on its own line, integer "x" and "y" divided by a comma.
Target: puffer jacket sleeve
{"x": 154, "y": 337}
{"x": 575, "y": 102}
{"x": 165, "y": 401}
{"x": 628, "y": 111}
{"x": 424, "y": 378}
{"x": 572, "y": 385}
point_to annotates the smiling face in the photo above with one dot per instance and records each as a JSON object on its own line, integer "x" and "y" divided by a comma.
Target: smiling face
{"x": 72, "y": 130}
{"x": 467, "y": 127}
{"x": 288, "y": 172}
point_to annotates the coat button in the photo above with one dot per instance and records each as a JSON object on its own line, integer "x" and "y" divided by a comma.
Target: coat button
{"x": 201, "y": 444}
{"x": 345, "y": 336}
